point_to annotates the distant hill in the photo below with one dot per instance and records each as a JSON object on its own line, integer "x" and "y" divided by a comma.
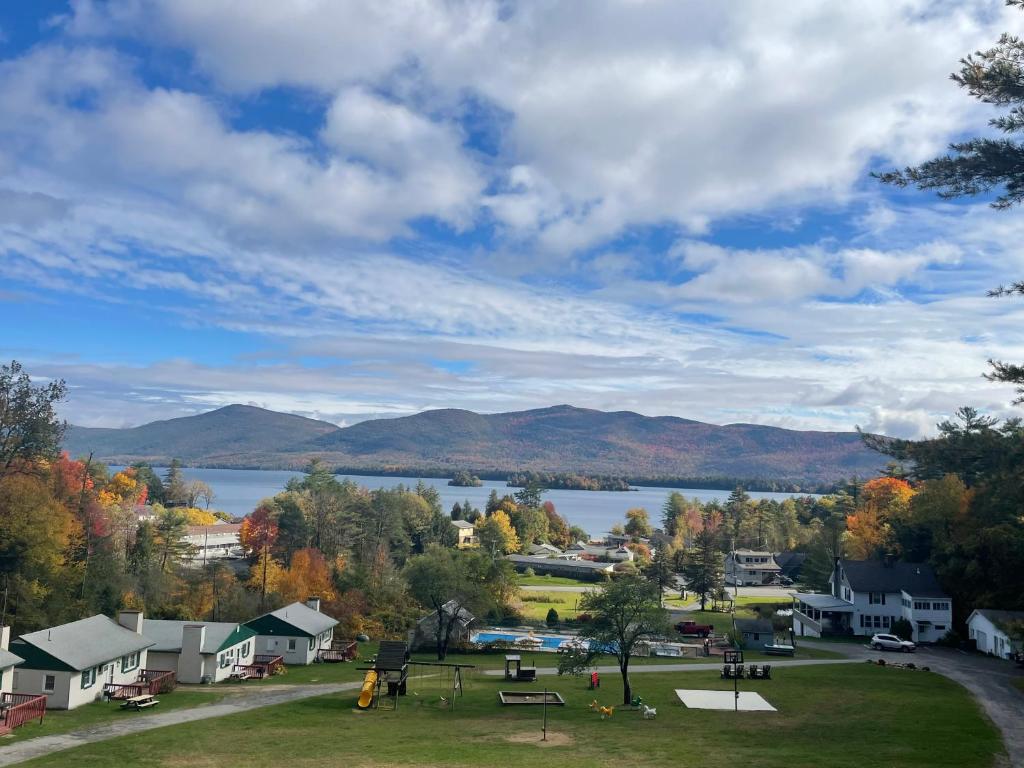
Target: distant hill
{"x": 557, "y": 439}
{"x": 232, "y": 431}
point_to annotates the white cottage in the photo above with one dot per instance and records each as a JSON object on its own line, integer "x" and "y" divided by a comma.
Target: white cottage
{"x": 750, "y": 567}
{"x": 868, "y": 596}
{"x": 8, "y": 661}
{"x": 200, "y": 651}
{"x": 297, "y": 632}
{"x": 71, "y": 663}
{"x": 988, "y": 629}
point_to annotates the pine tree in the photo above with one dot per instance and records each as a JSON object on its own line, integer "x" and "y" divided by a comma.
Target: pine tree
{"x": 175, "y": 489}
{"x": 702, "y": 566}
{"x": 980, "y": 165}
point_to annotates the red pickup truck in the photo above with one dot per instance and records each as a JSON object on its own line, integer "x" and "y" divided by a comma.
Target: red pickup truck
{"x": 693, "y": 628}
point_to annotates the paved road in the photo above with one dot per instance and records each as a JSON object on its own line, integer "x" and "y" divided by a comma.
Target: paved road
{"x": 253, "y": 698}
{"x": 988, "y": 680}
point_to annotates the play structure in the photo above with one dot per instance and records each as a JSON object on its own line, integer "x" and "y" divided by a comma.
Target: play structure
{"x": 391, "y": 667}
{"x": 552, "y": 698}
{"x": 516, "y": 672}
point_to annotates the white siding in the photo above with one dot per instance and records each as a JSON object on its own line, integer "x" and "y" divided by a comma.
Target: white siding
{"x": 68, "y": 692}
{"x": 301, "y": 652}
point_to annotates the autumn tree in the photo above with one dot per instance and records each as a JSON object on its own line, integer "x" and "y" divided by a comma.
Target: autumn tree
{"x": 29, "y": 428}
{"x": 870, "y": 530}
{"x": 497, "y": 535}
{"x": 627, "y": 611}
{"x": 638, "y": 524}
{"x": 257, "y": 537}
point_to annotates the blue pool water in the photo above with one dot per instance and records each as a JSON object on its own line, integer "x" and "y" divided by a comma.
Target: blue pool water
{"x": 491, "y": 637}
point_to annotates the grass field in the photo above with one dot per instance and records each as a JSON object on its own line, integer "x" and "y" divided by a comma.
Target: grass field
{"x": 100, "y": 712}
{"x": 1018, "y": 683}
{"x": 841, "y": 716}
{"x": 536, "y": 604}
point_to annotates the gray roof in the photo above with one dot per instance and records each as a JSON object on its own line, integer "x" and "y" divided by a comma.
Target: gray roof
{"x": 166, "y": 634}
{"x": 758, "y": 626}
{"x": 87, "y": 642}
{"x": 823, "y": 602}
{"x": 462, "y": 524}
{"x": 303, "y": 617}
{"x": 1000, "y": 618}
{"x": 582, "y": 565}
{"x": 916, "y": 579}
{"x": 8, "y": 659}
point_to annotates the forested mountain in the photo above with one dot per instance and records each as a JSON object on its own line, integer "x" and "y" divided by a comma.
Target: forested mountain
{"x": 557, "y": 439}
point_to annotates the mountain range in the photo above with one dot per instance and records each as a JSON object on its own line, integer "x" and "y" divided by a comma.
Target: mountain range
{"x": 557, "y": 439}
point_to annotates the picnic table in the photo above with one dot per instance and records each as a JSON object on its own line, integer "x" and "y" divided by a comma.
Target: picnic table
{"x": 140, "y": 702}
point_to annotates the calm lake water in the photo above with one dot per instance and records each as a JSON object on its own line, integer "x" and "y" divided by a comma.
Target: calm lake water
{"x": 238, "y": 491}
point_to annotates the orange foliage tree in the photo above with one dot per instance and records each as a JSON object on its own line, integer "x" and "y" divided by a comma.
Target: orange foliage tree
{"x": 883, "y": 501}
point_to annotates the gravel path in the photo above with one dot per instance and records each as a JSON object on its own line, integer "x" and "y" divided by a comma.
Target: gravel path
{"x": 253, "y": 698}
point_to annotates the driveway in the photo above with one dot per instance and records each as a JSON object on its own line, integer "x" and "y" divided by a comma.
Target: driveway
{"x": 988, "y": 680}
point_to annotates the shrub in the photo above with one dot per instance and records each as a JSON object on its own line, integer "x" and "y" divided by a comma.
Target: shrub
{"x": 529, "y": 572}
{"x": 552, "y": 618}
{"x": 902, "y": 629}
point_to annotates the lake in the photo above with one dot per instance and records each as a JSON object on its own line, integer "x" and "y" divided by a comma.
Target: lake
{"x": 238, "y": 491}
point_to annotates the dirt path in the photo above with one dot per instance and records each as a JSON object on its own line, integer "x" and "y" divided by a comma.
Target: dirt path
{"x": 242, "y": 701}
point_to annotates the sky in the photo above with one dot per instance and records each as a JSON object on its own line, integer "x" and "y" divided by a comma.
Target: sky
{"x": 350, "y": 210}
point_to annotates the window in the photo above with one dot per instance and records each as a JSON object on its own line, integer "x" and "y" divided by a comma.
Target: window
{"x": 224, "y": 660}
{"x": 89, "y": 678}
{"x": 49, "y": 683}
{"x": 940, "y": 627}
{"x": 245, "y": 650}
{"x": 130, "y": 662}
{"x": 291, "y": 643}
{"x": 940, "y": 606}
{"x": 885, "y": 621}
{"x": 862, "y": 620}
{"x": 920, "y": 605}
{"x": 312, "y": 643}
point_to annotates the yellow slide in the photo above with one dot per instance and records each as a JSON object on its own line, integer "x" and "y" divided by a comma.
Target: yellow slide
{"x": 366, "y": 694}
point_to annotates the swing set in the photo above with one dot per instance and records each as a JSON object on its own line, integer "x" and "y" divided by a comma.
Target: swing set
{"x": 392, "y": 667}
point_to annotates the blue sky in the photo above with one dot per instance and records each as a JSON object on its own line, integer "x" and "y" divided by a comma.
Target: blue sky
{"x": 348, "y": 210}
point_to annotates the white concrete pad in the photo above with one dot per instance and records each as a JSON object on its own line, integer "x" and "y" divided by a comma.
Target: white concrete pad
{"x": 748, "y": 702}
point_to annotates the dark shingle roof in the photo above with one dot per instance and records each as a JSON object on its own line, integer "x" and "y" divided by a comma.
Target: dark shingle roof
{"x": 1000, "y": 618}
{"x": 758, "y": 626}
{"x": 916, "y": 579}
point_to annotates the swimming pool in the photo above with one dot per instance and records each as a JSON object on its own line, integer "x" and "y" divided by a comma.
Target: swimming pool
{"x": 549, "y": 642}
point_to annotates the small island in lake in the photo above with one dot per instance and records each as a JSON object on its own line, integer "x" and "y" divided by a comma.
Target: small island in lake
{"x": 464, "y": 479}
{"x": 568, "y": 481}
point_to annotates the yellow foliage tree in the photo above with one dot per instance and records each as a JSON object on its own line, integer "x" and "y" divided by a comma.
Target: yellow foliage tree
{"x": 198, "y": 516}
{"x": 308, "y": 575}
{"x": 497, "y": 534}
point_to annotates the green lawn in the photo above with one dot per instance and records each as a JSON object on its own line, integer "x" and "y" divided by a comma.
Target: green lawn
{"x": 1018, "y": 683}
{"x": 100, "y": 713}
{"x": 535, "y": 609}
{"x": 841, "y": 716}
{"x": 751, "y": 600}
{"x": 555, "y": 581}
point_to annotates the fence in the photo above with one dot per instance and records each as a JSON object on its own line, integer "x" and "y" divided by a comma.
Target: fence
{"x": 19, "y": 708}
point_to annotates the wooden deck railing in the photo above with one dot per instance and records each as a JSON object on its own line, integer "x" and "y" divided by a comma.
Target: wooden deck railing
{"x": 270, "y": 662}
{"x": 346, "y": 652}
{"x": 19, "y": 708}
{"x": 124, "y": 690}
{"x": 158, "y": 680}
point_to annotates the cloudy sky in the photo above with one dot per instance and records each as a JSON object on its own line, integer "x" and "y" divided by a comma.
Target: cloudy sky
{"x": 353, "y": 209}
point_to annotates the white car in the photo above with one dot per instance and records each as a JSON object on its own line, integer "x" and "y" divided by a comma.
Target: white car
{"x": 891, "y": 643}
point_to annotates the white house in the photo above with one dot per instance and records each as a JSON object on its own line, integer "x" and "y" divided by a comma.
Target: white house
{"x": 71, "y": 663}
{"x": 750, "y": 567}
{"x": 987, "y": 628}
{"x": 214, "y": 542}
{"x": 868, "y": 596}
{"x": 199, "y": 651}
{"x": 296, "y": 632}
{"x": 544, "y": 550}
{"x": 8, "y": 661}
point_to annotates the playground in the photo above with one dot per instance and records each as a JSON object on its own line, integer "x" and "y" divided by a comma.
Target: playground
{"x": 915, "y": 719}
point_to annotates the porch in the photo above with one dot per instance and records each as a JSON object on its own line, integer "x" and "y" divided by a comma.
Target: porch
{"x": 149, "y": 681}
{"x": 16, "y": 709}
{"x": 346, "y": 652}
{"x": 263, "y": 665}
{"x": 817, "y": 615}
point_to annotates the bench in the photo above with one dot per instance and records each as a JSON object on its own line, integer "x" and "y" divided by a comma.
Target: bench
{"x": 138, "y": 703}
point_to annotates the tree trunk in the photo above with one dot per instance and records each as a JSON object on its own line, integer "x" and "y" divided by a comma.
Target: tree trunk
{"x": 627, "y": 692}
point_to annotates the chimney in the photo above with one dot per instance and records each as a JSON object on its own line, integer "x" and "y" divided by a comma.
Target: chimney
{"x": 314, "y": 603}
{"x": 192, "y": 638}
{"x": 131, "y": 620}
{"x": 5, "y": 638}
